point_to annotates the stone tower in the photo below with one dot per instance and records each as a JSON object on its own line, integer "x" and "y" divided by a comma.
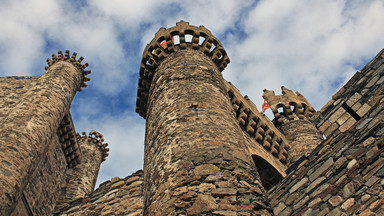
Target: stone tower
{"x": 196, "y": 157}
{"x": 81, "y": 179}
{"x": 40, "y": 153}
{"x": 293, "y": 117}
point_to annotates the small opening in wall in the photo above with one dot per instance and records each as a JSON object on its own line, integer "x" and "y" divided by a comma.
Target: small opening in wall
{"x": 212, "y": 48}
{"x": 176, "y": 40}
{"x": 351, "y": 111}
{"x": 188, "y": 38}
{"x": 201, "y": 40}
{"x": 280, "y": 110}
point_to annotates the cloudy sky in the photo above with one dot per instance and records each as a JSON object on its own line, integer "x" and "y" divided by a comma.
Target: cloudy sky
{"x": 309, "y": 46}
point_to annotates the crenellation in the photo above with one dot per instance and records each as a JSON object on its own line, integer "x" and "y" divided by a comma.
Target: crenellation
{"x": 208, "y": 150}
{"x": 295, "y": 121}
{"x": 155, "y": 53}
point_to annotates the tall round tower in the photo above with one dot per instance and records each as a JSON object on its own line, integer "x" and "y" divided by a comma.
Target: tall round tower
{"x": 28, "y": 129}
{"x": 195, "y": 160}
{"x": 81, "y": 179}
{"x": 293, "y": 117}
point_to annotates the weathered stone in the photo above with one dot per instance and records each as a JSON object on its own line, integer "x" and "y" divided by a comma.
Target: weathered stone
{"x": 115, "y": 179}
{"x": 203, "y": 203}
{"x": 204, "y": 187}
{"x": 348, "y": 190}
{"x": 298, "y": 185}
{"x": 206, "y": 169}
{"x": 219, "y": 192}
{"x": 225, "y": 213}
{"x": 348, "y": 204}
{"x": 321, "y": 169}
{"x": 118, "y": 184}
{"x": 314, "y": 184}
{"x": 279, "y": 208}
{"x": 335, "y": 201}
{"x": 314, "y": 202}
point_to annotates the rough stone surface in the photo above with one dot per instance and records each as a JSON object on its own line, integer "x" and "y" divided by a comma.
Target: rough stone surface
{"x": 209, "y": 151}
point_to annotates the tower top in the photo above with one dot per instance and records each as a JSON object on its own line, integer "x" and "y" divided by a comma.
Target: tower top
{"x": 294, "y": 105}
{"x": 77, "y": 63}
{"x": 167, "y": 41}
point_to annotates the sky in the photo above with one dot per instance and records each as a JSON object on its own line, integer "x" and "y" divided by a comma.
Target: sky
{"x": 309, "y": 46}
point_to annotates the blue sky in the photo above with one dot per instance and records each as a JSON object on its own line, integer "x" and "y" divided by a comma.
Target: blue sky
{"x": 309, "y": 46}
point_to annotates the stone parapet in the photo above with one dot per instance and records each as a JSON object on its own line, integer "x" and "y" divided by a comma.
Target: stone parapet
{"x": 288, "y": 106}
{"x": 258, "y": 126}
{"x": 293, "y": 117}
{"x": 167, "y": 41}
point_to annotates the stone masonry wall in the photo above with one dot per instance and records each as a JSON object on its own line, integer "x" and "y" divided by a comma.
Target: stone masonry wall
{"x": 303, "y": 136}
{"x": 118, "y": 197}
{"x": 345, "y": 174}
{"x": 81, "y": 179}
{"x": 352, "y": 101}
{"x": 43, "y": 186}
{"x": 28, "y": 129}
{"x": 196, "y": 162}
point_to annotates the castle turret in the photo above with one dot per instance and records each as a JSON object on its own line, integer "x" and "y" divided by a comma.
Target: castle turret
{"x": 293, "y": 114}
{"x": 81, "y": 179}
{"x": 29, "y": 145}
{"x": 196, "y": 160}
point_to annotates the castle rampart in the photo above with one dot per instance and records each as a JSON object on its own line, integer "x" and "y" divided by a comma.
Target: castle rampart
{"x": 29, "y": 129}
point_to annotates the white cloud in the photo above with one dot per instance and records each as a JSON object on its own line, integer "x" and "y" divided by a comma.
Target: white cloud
{"x": 305, "y": 45}
{"x": 309, "y": 46}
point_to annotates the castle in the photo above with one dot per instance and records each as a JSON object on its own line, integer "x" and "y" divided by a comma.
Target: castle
{"x": 208, "y": 150}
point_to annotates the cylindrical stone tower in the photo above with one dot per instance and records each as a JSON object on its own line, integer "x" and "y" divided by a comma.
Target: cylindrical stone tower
{"x": 81, "y": 179}
{"x": 293, "y": 117}
{"x": 196, "y": 161}
{"x": 28, "y": 128}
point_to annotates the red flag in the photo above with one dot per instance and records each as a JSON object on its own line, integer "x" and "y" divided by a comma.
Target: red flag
{"x": 265, "y": 106}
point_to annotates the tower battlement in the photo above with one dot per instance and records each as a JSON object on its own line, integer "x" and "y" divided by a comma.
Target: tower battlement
{"x": 164, "y": 43}
{"x": 208, "y": 150}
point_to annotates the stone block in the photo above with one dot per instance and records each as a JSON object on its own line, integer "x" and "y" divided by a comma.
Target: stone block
{"x": 279, "y": 208}
{"x": 314, "y": 184}
{"x": 348, "y": 190}
{"x": 328, "y": 133}
{"x": 356, "y": 106}
{"x": 352, "y": 100}
{"x": 337, "y": 114}
{"x": 372, "y": 82}
{"x": 335, "y": 201}
{"x": 206, "y": 169}
{"x": 298, "y": 185}
{"x": 324, "y": 126}
{"x": 343, "y": 118}
{"x": 348, "y": 204}
{"x": 220, "y": 192}
{"x": 363, "y": 110}
{"x": 321, "y": 169}
{"x": 314, "y": 202}
{"x": 347, "y": 124}
{"x": 203, "y": 203}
